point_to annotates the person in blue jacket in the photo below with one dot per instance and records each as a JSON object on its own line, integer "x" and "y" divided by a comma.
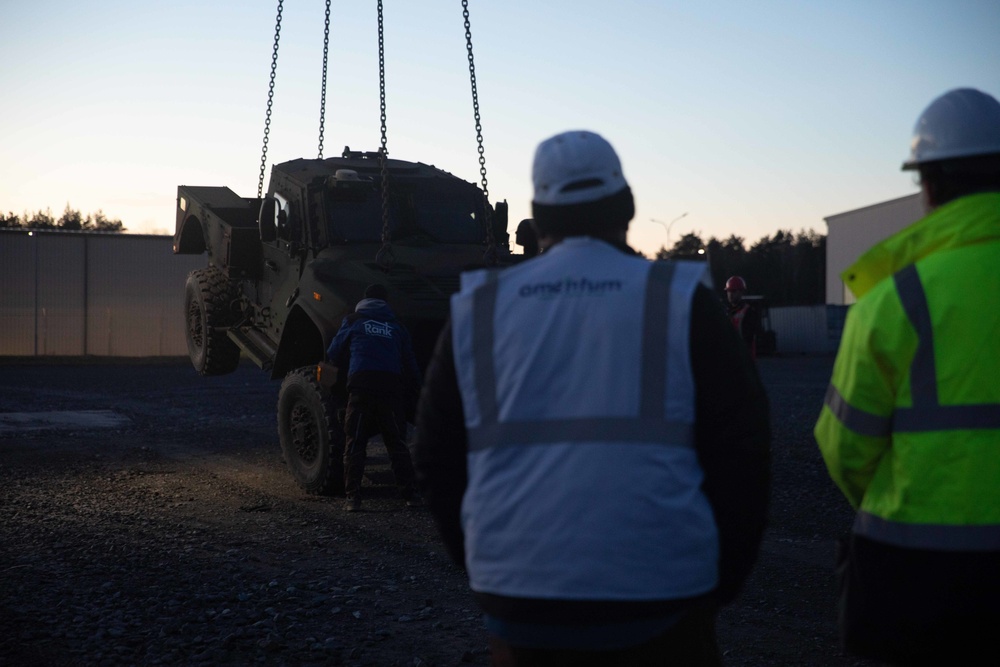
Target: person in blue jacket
{"x": 382, "y": 374}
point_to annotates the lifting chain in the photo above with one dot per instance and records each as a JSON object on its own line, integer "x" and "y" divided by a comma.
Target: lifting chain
{"x": 385, "y": 256}
{"x": 491, "y": 249}
{"x": 270, "y": 101}
{"x": 322, "y": 95}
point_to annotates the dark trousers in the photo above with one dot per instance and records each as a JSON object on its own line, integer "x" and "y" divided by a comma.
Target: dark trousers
{"x": 919, "y": 607}
{"x": 690, "y": 642}
{"x": 368, "y": 413}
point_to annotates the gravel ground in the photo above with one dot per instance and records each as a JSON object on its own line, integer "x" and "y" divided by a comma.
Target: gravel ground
{"x": 167, "y": 531}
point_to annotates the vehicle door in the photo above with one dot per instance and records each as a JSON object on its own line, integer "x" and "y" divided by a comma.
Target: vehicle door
{"x": 281, "y": 251}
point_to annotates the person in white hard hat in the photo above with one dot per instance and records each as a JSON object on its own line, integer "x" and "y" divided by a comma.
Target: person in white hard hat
{"x": 910, "y": 429}
{"x": 604, "y": 477}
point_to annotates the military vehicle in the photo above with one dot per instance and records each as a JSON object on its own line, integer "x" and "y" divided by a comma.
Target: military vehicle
{"x": 284, "y": 269}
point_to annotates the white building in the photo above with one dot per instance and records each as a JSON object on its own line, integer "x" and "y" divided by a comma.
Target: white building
{"x": 852, "y": 233}
{"x": 817, "y": 329}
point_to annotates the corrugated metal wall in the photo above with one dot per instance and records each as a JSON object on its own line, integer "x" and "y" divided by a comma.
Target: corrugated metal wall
{"x": 78, "y": 293}
{"x": 808, "y": 329}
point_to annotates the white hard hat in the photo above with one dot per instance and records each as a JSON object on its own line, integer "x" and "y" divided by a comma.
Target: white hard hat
{"x": 574, "y": 168}
{"x": 961, "y": 123}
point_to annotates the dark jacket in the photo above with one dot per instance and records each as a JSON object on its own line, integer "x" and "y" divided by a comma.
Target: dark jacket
{"x": 732, "y": 435}
{"x": 749, "y": 323}
{"x": 376, "y": 349}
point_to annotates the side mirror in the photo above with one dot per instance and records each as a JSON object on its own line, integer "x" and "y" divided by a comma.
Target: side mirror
{"x": 266, "y": 220}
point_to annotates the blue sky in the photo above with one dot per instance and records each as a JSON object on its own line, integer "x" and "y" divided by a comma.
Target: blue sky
{"x": 749, "y": 117}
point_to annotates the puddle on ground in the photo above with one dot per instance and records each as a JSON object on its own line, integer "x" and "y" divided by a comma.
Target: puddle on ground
{"x": 16, "y": 422}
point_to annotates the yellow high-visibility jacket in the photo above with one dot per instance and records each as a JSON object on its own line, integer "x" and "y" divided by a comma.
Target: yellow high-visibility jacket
{"x": 910, "y": 428}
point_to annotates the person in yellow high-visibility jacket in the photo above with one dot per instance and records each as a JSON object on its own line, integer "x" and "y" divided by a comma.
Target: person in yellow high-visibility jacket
{"x": 910, "y": 428}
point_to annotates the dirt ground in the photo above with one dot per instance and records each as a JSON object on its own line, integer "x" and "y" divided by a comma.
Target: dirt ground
{"x": 156, "y": 525}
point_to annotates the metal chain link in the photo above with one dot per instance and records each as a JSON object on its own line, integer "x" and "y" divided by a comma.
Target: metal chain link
{"x": 270, "y": 101}
{"x": 491, "y": 249}
{"x": 322, "y": 95}
{"x": 385, "y": 257}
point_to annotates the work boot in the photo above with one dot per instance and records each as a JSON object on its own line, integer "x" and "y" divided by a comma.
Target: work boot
{"x": 353, "y": 504}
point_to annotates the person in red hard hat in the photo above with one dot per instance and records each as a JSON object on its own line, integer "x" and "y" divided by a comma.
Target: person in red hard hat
{"x": 744, "y": 317}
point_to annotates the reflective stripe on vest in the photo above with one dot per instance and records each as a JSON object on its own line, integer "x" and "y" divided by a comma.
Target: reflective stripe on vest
{"x": 737, "y": 318}
{"x": 651, "y": 425}
{"x": 937, "y": 537}
{"x": 927, "y": 413}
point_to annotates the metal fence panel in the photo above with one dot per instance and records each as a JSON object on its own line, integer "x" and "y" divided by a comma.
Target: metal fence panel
{"x": 808, "y": 329}
{"x": 74, "y": 293}
{"x": 17, "y": 294}
{"x": 136, "y": 297}
{"x": 61, "y": 297}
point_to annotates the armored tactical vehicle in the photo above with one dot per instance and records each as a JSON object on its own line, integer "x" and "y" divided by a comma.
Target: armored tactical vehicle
{"x": 284, "y": 269}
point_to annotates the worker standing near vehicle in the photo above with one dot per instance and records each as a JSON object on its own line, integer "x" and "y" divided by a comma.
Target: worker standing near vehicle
{"x": 744, "y": 317}
{"x": 382, "y": 375}
{"x": 592, "y": 438}
{"x": 910, "y": 429}
{"x": 526, "y": 237}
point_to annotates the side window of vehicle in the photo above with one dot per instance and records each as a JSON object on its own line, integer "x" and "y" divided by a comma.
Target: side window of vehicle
{"x": 283, "y": 218}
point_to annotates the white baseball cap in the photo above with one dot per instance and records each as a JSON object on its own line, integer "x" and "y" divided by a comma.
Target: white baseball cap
{"x": 576, "y": 167}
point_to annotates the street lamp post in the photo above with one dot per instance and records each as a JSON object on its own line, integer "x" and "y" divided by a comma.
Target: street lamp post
{"x": 668, "y": 225}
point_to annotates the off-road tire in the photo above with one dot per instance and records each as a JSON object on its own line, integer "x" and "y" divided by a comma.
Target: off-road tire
{"x": 208, "y": 307}
{"x": 312, "y": 440}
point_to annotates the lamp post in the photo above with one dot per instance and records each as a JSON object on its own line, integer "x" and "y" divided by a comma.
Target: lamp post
{"x": 668, "y": 225}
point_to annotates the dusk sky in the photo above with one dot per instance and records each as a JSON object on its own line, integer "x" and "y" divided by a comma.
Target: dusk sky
{"x": 748, "y": 116}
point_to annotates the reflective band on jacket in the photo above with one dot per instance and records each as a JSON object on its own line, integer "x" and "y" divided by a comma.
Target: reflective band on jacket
{"x": 926, "y": 414}
{"x": 928, "y": 536}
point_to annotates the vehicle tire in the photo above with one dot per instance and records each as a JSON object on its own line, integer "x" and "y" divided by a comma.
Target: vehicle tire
{"x": 312, "y": 440}
{"x": 208, "y": 305}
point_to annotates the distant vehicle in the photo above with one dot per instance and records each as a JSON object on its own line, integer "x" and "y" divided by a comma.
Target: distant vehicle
{"x": 283, "y": 271}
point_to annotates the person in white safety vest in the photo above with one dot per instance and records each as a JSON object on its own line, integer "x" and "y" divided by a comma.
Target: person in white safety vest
{"x": 593, "y": 438}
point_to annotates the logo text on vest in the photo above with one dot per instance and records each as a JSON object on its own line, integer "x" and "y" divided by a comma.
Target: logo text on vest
{"x": 382, "y": 329}
{"x": 570, "y": 287}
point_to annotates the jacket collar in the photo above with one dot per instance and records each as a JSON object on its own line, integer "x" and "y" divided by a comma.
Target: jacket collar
{"x": 964, "y": 221}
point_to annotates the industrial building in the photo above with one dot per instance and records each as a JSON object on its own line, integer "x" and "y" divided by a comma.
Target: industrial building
{"x": 851, "y": 233}
{"x": 817, "y": 329}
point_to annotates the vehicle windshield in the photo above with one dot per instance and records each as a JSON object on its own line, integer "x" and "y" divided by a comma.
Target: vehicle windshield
{"x": 418, "y": 211}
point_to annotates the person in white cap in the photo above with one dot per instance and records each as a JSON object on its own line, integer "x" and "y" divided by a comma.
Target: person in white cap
{"x": 910, "y": 429}
{"x": 583, "y": 443}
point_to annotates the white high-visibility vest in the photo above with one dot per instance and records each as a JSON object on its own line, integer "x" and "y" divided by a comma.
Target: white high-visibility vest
{"x": 576, "y": 382}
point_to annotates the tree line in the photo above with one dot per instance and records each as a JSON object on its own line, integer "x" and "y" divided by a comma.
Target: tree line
{"x": 786, "y": 269}
{"x": 70, "y": 220}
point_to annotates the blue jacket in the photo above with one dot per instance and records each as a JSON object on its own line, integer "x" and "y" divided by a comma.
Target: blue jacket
{"x": 375, "y": 348}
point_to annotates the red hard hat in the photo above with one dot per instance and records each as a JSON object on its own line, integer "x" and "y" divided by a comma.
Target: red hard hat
{"x": 736, "y": 284}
